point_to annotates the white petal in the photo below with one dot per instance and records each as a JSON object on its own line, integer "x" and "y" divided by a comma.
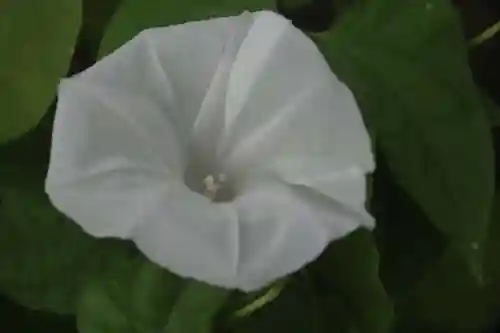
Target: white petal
{"x": 289, "y": 113}
{"x": 173, "y": 66}
{"x": 122, "y": 126}
{"x": 106, "y": 161}
{"x": 210, "y": 122}
{"x": 272, "y": 230}
{"x": 347, "y": 185}
{"x": 191, "y": 236}
{"x": 284, "y": 227}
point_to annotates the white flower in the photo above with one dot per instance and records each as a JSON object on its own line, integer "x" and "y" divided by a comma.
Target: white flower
{"x": 225, "y": 149}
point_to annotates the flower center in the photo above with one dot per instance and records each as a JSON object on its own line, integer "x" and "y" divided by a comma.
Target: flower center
{"x": 213, "y": 185}
{"x": 216, "y": 186}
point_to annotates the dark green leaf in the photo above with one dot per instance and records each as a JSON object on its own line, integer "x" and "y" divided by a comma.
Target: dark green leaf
{"x": 37, "y": 39}
{"x": 406, "y": 64}
{"x": 196, "y": 308}
{"x": 96, "y": 16}
{"x": 492, "y": 110}
{"x": 135, "y": 16}
{"x": 409, "y": 244}
{"x": 492, "y": 262}
{"x": 131, "y": 295}
{"x": 449, "y": 299}
{"x": 349, "y": 271}
{"x": 42, "y": 254}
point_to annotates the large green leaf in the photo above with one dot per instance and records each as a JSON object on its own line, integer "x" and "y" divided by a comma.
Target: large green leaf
{"x": 96, "y": 16}
{"x": 492, "y": 262}
{"x": 42, "y": 254}
{"x": 131, "y": 295}
{"x": 135, "y": 16}
{"x": 349, "y": 271}
{"x": 406, "y": 63}
{"x": 492, "y": 110}
{"x": 448, "y": 299}
{"x": 196, "y": 308}
{"x": 37, "y": 39}
{"x": 409, "y": 244}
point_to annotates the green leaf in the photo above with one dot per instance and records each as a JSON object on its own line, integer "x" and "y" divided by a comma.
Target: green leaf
{"x": 131, "y": 295}
{"x": 406, "y": 64}
{"x": 196, "y": 308}
{"x": 135, "y": 16}
{"x": 37, "y": 39}
{"x": 492, "y": 261}
{"x": 96, "y": 16}
{"x": 448, "y": 299}
{"x": 349, "y": 270}
{"x": 42, "y": 254}
{"x": 492, "y": 110}
{"x": 408, "y": 243}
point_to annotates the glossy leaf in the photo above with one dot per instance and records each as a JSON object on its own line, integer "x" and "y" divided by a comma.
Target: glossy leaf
{"x": 409, "y": 244}
{"x": 349, "y": 271}
{"x": 196, "y": 308}
{"x": 449, "y": 299}
{"x": 406, "y": 63}
{"x": 492, "y": 262}
{"x": 132, "y": 295}
{"x": 42, "y": 254}
{"x": 492, "y": 110}
{"x": 37, "y": 39}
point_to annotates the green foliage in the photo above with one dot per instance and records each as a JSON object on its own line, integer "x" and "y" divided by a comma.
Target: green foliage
{"x": 134, "y": 295}
{"x": 409, "y": 244}
{"x": 37, "y": 39}
{"x": 349, "y": 270}
{"x": 492, "y": 110}
{"x": 449, "y": 298}
{"x": 196, "y": 308}
{"x": 42, "y": 254}
{"x": 41, "y": 251}
{"x": 406, "y": 63}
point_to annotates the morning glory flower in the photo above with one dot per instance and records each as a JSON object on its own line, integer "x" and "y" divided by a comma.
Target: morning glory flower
{"x": 225, "y": 149}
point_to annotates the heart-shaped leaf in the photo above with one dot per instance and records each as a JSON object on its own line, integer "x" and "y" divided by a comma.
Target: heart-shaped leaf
{"x": 37, "y": 39}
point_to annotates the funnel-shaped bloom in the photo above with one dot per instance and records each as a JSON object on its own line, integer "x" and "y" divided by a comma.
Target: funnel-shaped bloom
{"x": 225, "y": 149}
